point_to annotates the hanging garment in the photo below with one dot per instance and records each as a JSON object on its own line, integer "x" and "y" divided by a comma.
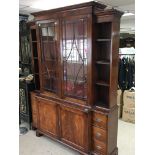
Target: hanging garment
{"x": 126, "y": 73}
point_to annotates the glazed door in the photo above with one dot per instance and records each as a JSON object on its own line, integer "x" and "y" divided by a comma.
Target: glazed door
{"x": 74, "y": 127}
{"x": 75, "y": 57}
{"x": 47, "y": 116}
{"x": 48, "y": 31}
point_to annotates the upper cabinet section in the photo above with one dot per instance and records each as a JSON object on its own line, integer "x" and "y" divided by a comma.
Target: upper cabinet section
{"x": 75, "y": 54}
{"x": 73, "y": 10}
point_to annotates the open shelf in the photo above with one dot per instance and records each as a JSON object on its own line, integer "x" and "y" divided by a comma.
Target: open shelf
{"x": 101, "y": 40}
{"x": 101, "y": 104}
{"x": 36, "y": 69}
{"x": 102, "y": 83}
{"x": 33, "y": 35}
{"x": 37, "y": 79}
{"x": 103, "y": 62}
{"x": 103, "y": 73}
{"x": 101, "y": 96}
{"x": 103, "y": 51}
{"x": 104, "y": 30}
{"x": 34, "y": 49}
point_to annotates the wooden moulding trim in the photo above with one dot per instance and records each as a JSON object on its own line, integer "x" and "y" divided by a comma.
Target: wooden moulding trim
{"x": 60, "y": 141}
{"x": 109, "y": 12}
{"x": 92, "y": 3}
{"x": 104, "y": 110}
{"x": 63, "y": 102}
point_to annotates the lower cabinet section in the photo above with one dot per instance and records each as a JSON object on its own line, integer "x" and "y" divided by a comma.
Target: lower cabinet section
{"x": 47, "y": 116}
{"x": 74, "y": 127}
{"x": 87, "y": 131}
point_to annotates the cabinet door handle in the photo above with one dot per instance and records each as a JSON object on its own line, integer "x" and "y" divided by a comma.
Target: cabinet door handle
{"x": 86, "y": 110}
{"x": 98, "y": 134}
{"x": 98, "y": 120}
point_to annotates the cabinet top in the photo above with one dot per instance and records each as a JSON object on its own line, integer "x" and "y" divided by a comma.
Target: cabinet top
{"x": 71, "y": 7}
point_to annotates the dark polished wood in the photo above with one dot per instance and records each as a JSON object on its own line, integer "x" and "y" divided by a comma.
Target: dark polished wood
{"x": 76, "y": 72}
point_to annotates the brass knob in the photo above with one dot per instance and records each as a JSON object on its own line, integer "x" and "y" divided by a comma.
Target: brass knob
{"x": 98, "y": 147}
{"x": 86, "y": 110}
{"x": 98, "y": 134}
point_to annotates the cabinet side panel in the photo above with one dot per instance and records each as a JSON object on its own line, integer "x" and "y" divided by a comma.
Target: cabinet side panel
{"x": 112, "y": 130}
{"x": 34, "y": 110}
{"x": 114, "y": 63}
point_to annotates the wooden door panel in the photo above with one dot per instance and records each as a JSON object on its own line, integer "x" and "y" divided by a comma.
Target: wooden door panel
{"x": 47, "y": 116}
{"x": 74, "y": 127}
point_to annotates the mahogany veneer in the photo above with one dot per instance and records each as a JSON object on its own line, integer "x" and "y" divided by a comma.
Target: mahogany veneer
{"x": 75, "y": 59}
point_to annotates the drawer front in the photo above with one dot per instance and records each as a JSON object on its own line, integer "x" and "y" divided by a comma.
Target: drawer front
{"x": 100, "y": 120}
{"x": 99, "y": 148}
{"x": 99, "y": 134}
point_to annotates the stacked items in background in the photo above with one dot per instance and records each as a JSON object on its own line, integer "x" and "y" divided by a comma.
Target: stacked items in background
{"x": 129, "y": 106}
{"x": 119, "y": 102}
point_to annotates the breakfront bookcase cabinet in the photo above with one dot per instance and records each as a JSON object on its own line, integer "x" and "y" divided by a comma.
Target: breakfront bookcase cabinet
{"x": 75, "y": 65}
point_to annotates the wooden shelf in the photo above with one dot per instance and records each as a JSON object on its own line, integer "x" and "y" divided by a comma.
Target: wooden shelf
{"x": 51, "y": 59}
{"x": 103, "y": 62}
{"x": 34, "y": 41}
{"x": 101, "y": 40}
{"x": 102, "y": 83}
{"x": 101, "y": 104}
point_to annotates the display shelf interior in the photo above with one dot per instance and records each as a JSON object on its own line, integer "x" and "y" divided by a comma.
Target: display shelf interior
{"x": 33, "y": 35}
{"x": 103, "y": 73}
{"x": 101, "y": 104}
{"x": 101, "y": 40}
{"x": 103, "y": 51}
{"x": 102, "y": 96}
{"x": 34, "y": 49}
{"x": 102, "y": 62}
{"x": 102, "y": 83}
{"x": 34, "y": 41}
{"x": 104, "y": 31}
{"x": 36, "y": 69}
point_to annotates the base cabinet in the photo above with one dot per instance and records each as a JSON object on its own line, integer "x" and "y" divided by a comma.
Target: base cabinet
{"x": 87, "y": 131}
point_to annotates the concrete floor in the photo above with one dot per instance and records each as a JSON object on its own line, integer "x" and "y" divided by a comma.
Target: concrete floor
{"x": 29, "y": 144}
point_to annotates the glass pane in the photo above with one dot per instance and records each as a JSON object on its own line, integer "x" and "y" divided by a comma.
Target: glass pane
{"x": 44, "y": 33}
{"x": 51, "y": 33}
{"x": 75, "y": 58}
{"x": 49, "y": 58}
